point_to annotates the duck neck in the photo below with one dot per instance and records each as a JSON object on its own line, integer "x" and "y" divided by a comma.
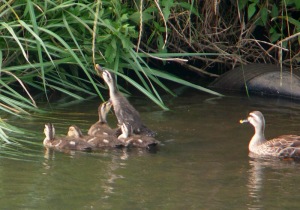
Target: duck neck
{"x": 125, "y": 132}
{"x": 102, "y": 117}
{"x": 112, "y": 85}
{"x": 257, "y": 139}
{"x": 50, "y": 132}
{"x": 113, "y": 92}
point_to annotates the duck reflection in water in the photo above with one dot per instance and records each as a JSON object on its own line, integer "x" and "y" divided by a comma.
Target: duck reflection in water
{"x": 259, "y": 181}
{"x": 255, "y": 183}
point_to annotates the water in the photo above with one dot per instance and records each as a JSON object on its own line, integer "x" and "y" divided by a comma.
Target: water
{"x": 203, "y": 161}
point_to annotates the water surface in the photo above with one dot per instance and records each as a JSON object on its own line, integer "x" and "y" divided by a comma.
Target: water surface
{"x": 203, "y": 161}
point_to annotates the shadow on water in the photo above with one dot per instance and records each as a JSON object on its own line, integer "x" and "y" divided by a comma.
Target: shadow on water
{"x": 203, "y": 161}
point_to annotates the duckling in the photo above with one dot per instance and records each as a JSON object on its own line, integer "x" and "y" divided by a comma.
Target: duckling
{"x": 124, "y": 111}
{"x": 63, "y": 143}
{"x": 96, "y": 141}
{"x": 285, "y": 146}
{"x": 101, "y": 127}
{"x": 141, "y": 141}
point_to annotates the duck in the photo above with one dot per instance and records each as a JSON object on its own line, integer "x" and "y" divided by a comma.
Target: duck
{"x": 104, "y": 141}
{"x": 135, "y": 140}
{"x": 101, "y": 127}
{"x": 63, "y": 143}
{"x": 124, "y": 111}
{"x": 284, "y": 146}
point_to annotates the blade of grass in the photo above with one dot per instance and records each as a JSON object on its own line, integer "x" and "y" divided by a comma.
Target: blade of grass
{"x": 24, "y": 88}
{"x": 66, "y": 92}
{"x": 11, "y": 31}
{"x": 35, "y": 33}
{"x": 183, "y": 82}
{"x": 67, "y": 26}
{"x": 14, "y": 94}
{"x": 143, "y": 90}
{"x": 53, "y": 80}
{"x": 146, "y": 75}
{"x": 68, "y": 48}
{"x": 152, "y": 77}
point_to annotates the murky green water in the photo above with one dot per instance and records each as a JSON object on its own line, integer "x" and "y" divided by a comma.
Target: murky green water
{"x": 203, "y": 162}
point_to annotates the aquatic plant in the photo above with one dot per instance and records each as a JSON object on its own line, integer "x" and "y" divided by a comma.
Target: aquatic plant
{"x": 52, "y": 46}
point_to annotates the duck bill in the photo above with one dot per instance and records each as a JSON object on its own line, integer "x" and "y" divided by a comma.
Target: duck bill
{"x": 99, "y": 69}
{"x": 109, "y": 103}
{"x": 244, "y": 121}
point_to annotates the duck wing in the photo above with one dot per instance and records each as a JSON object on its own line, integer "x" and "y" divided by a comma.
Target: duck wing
{"x": 105, "y": 141}
{"x": 290, "y": 152}
{"x": 290, "y": 140}
{"x": 127, "y": 114}
{"x": 77, "y": 144}
{"x": 286, "y": 146}
{"x": 71, "y": 144}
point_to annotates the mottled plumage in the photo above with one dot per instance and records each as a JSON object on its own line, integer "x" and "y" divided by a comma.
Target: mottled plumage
{"x": 285, "y": 146}
{"x": 63, "y": 143}
{"x": 124, "y": 111}
{"x": 140, "y": 141}
{"x": 101, "y": 127}
{"x": 104, "y": 141}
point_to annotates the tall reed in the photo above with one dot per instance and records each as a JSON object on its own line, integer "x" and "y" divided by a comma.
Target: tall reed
{"x": 51, "y": 46}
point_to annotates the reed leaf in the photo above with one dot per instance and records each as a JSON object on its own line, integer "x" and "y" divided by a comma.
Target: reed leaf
{"x": 11, "y": 31}
{"x": 38, "y": 57}
{"x": 143, "y": 90}
{"x": 183, "y": 82}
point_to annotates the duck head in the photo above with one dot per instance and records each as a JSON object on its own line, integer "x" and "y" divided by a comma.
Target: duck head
{"x": 126, "y": 131}
{"x": 74, "y": 131}
{"x": 257, "y": 120}
{"x": 108, "y": 77}
{"x": 98, "y": 69}
{"x": 103, "y": 110}
{"x": 49, "y": 132}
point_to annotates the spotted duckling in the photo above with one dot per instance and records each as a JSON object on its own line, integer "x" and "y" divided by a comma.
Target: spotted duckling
{"x": 101, "y": 127}
{"x": 104, "y": 141}
{"x": 140, "y": 141}
{"x": 124, "y": 111}
{"x": 285, "y": 147}
{"x": 63, "y": 143}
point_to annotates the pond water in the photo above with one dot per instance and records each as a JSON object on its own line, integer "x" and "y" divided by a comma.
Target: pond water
{"x": 203, "y": 161}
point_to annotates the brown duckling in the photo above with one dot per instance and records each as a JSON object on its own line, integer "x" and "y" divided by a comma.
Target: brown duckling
{"x": 104, "y": 141}
{"x": 124, "y": 111}
{"x": 140, "y": 141}
{"x": 286, "y": 146}
{"x": 101, "y": 127}
{"x": 63, "y": 143}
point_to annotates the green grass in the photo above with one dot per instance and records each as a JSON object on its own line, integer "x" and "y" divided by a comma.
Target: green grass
{"x": 47, "y": 46}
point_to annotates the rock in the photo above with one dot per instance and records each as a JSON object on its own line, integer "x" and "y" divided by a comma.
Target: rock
{"x": 262, "y": 79}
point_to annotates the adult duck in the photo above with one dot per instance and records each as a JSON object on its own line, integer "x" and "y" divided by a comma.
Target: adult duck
{"x": 63, "y": 143}
{"x": 285, "y": 146}
{"x": 124, "y": 111}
